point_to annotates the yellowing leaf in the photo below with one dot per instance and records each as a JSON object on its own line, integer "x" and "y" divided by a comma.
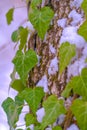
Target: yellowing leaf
{"x": 53, "y": 108}
{"x": 9, "y": 16}
{"x": 41, "y": 20}
{"x": 24, "y": 63}
{"x": 66, "y": 53}
{"x": 83, "y": 30}
{"x": 79, "y": 109}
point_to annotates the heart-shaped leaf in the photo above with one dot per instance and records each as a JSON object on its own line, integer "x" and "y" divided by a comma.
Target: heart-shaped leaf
{"x": 24, "y": 63}
{"x": 13, "y": 110}
{"x": 79, "y": 109}
{"x": 41, "y": 20}
{"x": 53, "y": 108}
{"x": 33, "y": 97}
{"x": 66, "y": 53}
{"x": 78, "y": 84}
{"x": 17, "y": 85}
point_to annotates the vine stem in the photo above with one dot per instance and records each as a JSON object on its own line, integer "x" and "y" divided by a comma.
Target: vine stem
{"x": 69, "y": 115}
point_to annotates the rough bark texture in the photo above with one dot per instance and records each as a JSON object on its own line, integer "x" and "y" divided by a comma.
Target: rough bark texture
{"x": 56, "y": 83}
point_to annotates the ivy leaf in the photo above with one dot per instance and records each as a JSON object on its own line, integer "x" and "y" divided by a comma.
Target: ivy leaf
{"x": 23, "y": 37}
{"x": 84, "y": 6}
{"x": 28, "y": 129}
{"x": 57, "y": 128}
{"x": 41, "y": 20}
{"x": 66, "y": 53}
{"x": 29, "y": 119}
{"x": 37, "y": 128}
{"x": 12, "y": 75}
{"x": 13, "y": 110}
{"x": 20, "y": 35}
{"x": 83, "y": 30}
{"x": 79, "y": 84}
{"x": 15, "y": 36}
{"x": 9, "y": 16}
{"x": 19, "y": 103}
{"x": 53, "y": 108}
{"x": 33, "y": 97}
{"x": 17, "y": 85}
{"x": 35, "y": 3}
{"x": 24, "y": 63}
{"x": 79, "y": 109}
{"x": 19, "y": 129}
{"x": 67, "y": 89}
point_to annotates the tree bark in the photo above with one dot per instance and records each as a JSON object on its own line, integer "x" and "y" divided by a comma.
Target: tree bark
{"x": 56, "y": 83}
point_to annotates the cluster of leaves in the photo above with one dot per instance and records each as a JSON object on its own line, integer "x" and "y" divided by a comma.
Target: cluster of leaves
{"x": 24, "y": 61}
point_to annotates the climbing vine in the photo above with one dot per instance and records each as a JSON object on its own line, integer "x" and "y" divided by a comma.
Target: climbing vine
{"x": 35, "y": 97}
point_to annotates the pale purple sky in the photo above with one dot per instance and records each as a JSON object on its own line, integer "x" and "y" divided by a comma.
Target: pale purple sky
{"x": 7, "y": 50}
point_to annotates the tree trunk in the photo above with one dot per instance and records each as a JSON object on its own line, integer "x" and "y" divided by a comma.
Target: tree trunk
{"x": 56, "y": 83}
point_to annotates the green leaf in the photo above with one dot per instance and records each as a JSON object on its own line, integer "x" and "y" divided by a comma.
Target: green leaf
{"x": 9, "y": 16}
{"x": 23, "y": 37}
{"x": 28, "y": 129}
{"x": 79, "y": 85}
{"x": 33, "y": 97}
{"x": 41, "y": 20}
{"x": 15, "y": 36}
{"x": 37, "y": 128}
{"x": 83, "y": 30}
{"x": 53, "y": 108}
{"x": 12, "y": 75}
{"x": 84, "y": 6}
{"x": 35, "y": 3}
{"x": 67, "y": 89}
{"x": 19, "y": 129}
{"x": 13, "y": 110}
{"x": 29, "y": 119}
{"x": 19, "y": 102}
{"x": 79, "y": 109}
{"x": 20, "y": 35}
{"x": 66, "y": 53}
{"x": 24, "y": 63}
{"x": 57, "y": 128}
{"x": 86, "y": 60}
{"x": 17, "y": 85}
